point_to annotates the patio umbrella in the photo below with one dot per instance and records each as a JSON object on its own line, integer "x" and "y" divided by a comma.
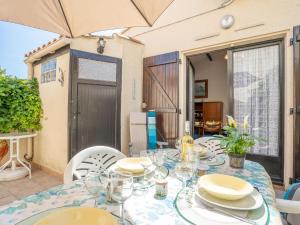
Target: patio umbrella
{"x": 78, "y": 17}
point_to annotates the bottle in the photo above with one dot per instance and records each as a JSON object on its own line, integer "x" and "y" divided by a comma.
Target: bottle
{"x": 187, "y": 142}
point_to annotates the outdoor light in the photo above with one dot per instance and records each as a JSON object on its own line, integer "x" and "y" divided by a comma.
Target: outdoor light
{"x": 101, "y": 46}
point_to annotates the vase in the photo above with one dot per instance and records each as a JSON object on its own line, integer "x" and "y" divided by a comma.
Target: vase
{"x": 236, "y": 160}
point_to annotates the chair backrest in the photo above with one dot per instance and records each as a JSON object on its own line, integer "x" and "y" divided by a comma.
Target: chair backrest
{"x": 97, "y": 158}
{"x": 138, "y": 132}
{"x": 293, "y": 194}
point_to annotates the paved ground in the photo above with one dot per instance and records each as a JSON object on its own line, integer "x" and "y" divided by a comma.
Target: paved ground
{"x": 13, "y": 190}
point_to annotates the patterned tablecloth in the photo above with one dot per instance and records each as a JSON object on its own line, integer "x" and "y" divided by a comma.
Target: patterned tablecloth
{"x": 143, "y": 209}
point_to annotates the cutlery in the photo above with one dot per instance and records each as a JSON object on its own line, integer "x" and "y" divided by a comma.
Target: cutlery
{"x": 224, "y": 212}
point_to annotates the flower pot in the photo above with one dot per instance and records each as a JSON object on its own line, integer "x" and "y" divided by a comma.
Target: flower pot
{"x": 236, "y": 161}
{"x": 3, "y": 149}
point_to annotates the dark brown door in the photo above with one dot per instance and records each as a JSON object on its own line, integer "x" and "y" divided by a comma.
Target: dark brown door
{"x": 190, "y": 95}
{"x": 296, "y": 42}
{"x": 160, "y": 93}
{"x": 95, "y": 101}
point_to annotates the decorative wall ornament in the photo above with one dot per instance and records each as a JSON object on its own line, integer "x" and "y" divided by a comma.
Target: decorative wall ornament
{"x": 227, "y": 21}
{"x": 61, "y": 77}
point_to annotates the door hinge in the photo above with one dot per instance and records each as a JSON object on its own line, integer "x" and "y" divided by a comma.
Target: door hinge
{"x": 292, "y": 111}
{"x": 179, "y": 61}
{"x": 292, "y": 41}
{"x": 178, "y": 111}
{"x": 295, "y": 39}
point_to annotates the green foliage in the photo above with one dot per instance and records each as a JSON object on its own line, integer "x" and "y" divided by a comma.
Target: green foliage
{"x": 20, "y": 104}
{"x": 236, "y": 142}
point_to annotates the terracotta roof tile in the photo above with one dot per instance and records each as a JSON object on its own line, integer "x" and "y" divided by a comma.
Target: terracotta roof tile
{"x": 43, "y": 46}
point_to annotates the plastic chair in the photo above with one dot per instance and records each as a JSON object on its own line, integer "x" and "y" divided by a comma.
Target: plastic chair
{"x": 290, "y": 205}
{"x": 97, "y": 158}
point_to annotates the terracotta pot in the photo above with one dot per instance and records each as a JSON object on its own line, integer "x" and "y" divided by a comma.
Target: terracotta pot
{"x": 237, "y": 161}
{"x": 3, "y": 149}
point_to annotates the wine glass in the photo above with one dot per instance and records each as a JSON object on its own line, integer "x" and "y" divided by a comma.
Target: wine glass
{"x": 184, "y": 172}
{"x": 122, "y": 188}
{"x": 96, "y": 183}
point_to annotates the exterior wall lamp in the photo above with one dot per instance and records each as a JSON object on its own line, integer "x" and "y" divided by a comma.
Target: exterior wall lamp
{"x": 101, "y": 45}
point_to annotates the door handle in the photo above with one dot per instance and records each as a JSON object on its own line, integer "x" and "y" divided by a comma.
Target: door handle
{"x": 298, "y": 109}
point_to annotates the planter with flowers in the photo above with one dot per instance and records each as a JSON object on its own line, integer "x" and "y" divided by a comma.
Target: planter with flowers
{"x": 236, "y": 141}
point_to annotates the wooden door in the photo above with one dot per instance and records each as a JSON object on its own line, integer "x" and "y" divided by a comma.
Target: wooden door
{"x": 296, "y": 110}
{"x": 160, "y": 93}
{"x": 190, "y": 95}
{"x": 95, "y": 101}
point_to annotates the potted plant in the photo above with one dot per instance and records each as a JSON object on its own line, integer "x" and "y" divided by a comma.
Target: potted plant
{"x": 236, "y": 141}
{"x": 20, "y": 106}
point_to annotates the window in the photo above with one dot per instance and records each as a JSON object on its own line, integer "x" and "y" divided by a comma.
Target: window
{"x": 48, "y": 72}
{"x": 256, "y": 76}
{"x": 97, "y": 70}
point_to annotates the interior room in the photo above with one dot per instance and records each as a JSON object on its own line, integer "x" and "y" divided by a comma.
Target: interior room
{"x": 211, "y": 102}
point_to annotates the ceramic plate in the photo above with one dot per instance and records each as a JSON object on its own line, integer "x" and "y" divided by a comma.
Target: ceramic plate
{"x": 209, "y": 154}
{"x": 250, "y": 202}
{"x": 148, "y": 171}
{"x": 37, "y": 217}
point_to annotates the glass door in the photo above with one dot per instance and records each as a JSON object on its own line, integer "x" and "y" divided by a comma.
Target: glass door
{"x": 257, "y": 87}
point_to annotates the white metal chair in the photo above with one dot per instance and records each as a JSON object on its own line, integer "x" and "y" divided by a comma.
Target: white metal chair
{"x": 96, "y": 157}
{"x": 290, "y": 205}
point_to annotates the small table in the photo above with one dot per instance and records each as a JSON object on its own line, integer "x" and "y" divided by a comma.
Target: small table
{"x": 15, "y": 172}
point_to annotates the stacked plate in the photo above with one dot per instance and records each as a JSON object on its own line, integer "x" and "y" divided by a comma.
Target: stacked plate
{"x": 138, "y": 166}
{"x": 231, "y": 196}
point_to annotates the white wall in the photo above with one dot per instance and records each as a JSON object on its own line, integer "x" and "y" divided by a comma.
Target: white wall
{"x": 51, "y": 144}
{"x": 216, "y": 73}
{"x": 181, "y": 26}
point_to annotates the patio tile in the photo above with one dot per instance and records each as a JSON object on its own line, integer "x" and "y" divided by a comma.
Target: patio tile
{"x": 7, "y": 200}
{"x": 17, "y": 189}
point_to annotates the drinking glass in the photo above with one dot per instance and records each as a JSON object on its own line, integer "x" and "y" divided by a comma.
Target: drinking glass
{"x": 184, "y": 172}
{"x": 96, "y": 183}
{"x": 178, "y": 144}
{"x": 122, "y": 188}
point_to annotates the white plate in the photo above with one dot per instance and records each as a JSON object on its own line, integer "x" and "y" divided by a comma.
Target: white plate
{"x": 208, "y": 155}
{"x": 149, "y": 170}
{"x": 250, "y": 202}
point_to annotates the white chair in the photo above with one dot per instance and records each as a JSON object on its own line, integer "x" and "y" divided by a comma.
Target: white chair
{"x": 97, "y": 157}
{"x": 290, "y": 206}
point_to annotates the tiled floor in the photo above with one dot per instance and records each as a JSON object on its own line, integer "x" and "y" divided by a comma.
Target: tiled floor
{"x": 13, "y": 190}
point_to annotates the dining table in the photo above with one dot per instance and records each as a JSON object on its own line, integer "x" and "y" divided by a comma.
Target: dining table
{"x": 142, "y": 209}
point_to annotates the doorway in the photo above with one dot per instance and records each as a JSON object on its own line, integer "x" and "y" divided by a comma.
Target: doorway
{"x": 245, "y": 80}
{"x": 95, "y": 101}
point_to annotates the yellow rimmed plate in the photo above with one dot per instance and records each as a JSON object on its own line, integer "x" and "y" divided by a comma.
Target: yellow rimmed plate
{"x": 78, "y": 216}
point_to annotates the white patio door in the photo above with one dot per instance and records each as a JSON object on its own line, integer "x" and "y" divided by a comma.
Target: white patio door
{"x": 257, "y": 88}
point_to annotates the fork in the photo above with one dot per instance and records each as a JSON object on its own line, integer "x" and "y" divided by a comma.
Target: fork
{"x": 224, "y": 212}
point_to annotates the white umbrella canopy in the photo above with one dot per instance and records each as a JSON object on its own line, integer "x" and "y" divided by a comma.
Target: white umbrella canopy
{"x": 78, "y": 17}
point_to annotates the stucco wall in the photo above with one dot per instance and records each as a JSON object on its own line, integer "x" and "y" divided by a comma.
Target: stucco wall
{"x": 51, "y": 144}
{"x": 269, "y": 19}
{"x": 215, "y": 72}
